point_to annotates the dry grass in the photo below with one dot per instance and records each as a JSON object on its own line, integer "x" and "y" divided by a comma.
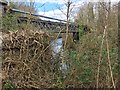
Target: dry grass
{"x": 26, "y": 59}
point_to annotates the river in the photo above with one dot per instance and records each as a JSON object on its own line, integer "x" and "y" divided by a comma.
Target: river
{"x": 57, "y": 47}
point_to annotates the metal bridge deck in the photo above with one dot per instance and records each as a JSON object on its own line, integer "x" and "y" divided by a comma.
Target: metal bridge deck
{"x": 50, "y": 26}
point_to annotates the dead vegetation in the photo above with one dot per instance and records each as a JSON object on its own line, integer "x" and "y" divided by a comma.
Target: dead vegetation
{"x": 93, "y": 61}
{"x": 26, "y": 59}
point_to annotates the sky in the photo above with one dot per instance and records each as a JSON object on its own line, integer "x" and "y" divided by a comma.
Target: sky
{"x": 57, "y": 8}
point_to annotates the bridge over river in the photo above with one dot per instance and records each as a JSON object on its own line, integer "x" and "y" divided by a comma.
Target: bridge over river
{"x": 51, "y": 24}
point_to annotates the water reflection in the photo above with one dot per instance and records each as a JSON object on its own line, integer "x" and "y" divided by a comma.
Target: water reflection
{"x": 57, "y": 47}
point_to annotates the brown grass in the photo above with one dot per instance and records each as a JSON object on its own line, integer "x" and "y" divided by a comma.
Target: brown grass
{"x": 26, "y": 59}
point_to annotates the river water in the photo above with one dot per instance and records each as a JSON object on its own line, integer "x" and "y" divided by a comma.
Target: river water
{"x": 57, "y": 47}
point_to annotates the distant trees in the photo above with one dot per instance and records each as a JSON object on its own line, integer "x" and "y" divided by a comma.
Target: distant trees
{"x": 93, "y": 14}
{"x": 10, "y": 19}
{"x": 102, "y": 18}
{"x": 28, "y": 6}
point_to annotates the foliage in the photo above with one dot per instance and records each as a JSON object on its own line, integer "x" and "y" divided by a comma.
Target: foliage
{"x": 8, "y": 85}
{"x": 81, "y": 31}
{"x": 10, "y": 19}
{"x": 10, "y": 22}
{"x": 29, "y": 63}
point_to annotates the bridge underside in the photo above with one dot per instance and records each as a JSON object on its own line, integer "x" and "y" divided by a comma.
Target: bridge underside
{"x": 50, "y": 26}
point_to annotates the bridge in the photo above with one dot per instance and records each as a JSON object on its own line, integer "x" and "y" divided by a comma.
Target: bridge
{"x": 56, "y": 26}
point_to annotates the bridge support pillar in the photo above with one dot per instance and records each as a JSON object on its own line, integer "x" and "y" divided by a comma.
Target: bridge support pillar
{"x": 75, "y": 36}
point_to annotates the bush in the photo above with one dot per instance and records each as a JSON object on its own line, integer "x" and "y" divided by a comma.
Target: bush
{"x": 9, "y": 22}
{"x": 26, "y": 58}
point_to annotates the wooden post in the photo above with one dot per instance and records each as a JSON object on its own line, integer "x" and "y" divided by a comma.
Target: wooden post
{"x": 3, "y": 8}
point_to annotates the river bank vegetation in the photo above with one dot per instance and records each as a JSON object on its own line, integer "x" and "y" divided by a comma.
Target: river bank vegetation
{"x": 90, "y": 62}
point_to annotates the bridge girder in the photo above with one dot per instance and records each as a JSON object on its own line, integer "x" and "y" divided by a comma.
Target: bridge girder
{"x": 50, "y": 26}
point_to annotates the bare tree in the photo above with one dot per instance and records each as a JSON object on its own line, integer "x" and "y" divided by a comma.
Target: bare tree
{"x": 68, "y": 4}
{"x": 105, "y": 26}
